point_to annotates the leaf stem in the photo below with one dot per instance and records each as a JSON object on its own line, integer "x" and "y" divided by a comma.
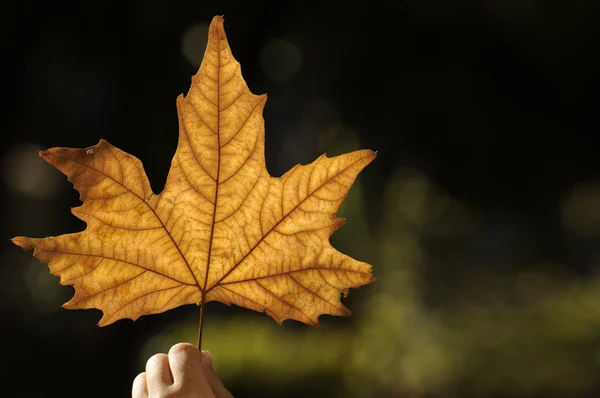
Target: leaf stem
{"x": 201, "y": 325}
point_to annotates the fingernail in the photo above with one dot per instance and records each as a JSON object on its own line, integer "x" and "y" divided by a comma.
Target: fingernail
{"x": 207, "y": 357}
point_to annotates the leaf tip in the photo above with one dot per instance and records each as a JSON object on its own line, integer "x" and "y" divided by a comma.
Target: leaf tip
{"x": 371, "y": 279}
{"x": 218, "y": 18}
{"x": 23, "y": 242}
{"x": 274, "y": 316}
{"x": 44, "y": 154}
{"x": 371, "y": 154}
{"x": 110, "y": 319}
{"x": 76, "y": 211}
{"x": 103, "y": 322}
{"x": 216, "y": 26}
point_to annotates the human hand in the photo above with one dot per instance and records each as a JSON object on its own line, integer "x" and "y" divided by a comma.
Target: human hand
{"x": 184, "y": 373}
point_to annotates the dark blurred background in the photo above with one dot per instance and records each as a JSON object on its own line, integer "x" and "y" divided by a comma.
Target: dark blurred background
{"x": 480, "y": 215}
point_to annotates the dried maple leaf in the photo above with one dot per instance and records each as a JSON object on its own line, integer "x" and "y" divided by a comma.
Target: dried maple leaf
{"x": 222, "y": 229}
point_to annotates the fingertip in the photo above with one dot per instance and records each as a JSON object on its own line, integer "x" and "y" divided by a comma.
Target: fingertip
{"x": 185, "y": 361}
{"x": 184, "y": 350}
{"x": 158, "y": 372}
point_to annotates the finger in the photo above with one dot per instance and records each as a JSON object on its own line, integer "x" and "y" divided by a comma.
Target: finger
{"x": 139, "y": 389}
{"x": 158, "y": 374}
{"x": 213, "y": 380}
{"x": 185, "y": 361}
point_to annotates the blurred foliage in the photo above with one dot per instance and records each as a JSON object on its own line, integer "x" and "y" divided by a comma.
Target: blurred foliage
{"x": 530, "y": 334}
{"x": 581, "y": 213}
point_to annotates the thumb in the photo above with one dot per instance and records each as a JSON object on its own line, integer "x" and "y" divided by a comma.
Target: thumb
{"x": 213, "y": 380}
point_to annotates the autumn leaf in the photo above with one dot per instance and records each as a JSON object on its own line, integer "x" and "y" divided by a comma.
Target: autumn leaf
{"x": 222, "y": 229}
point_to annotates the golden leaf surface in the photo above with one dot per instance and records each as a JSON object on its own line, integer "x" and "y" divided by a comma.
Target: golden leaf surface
{"x": 222, "y": 229}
